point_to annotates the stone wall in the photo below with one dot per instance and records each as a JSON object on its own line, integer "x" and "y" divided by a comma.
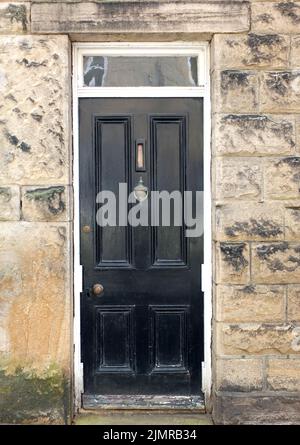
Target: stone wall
{"x": 35, "y": 215}
{"x": 256, "y": 181}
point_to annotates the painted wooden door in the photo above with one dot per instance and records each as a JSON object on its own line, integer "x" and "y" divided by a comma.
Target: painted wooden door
{"x": 142, "y": 333}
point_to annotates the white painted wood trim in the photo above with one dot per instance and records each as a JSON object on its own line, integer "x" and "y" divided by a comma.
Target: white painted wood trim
{"x": 145, "y": 49}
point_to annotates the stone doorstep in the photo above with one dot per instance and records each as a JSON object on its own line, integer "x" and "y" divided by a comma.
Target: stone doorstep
{"x": 143, "y": 402}
{"x": 141, "y": 417}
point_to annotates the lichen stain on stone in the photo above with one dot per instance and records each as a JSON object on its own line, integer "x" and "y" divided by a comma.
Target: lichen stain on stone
{"x": 266, "y": 252}
{"x": 263, "y": 228}
{"x": 279, "y": 82}
{"x": 265, "y": 18}
{"x": 290, "y": 10}
{"x": 250, "y": 289}
{"x": 17, "y": 13}
{"x": 233, "y": 255}
{"x": 249, "y": 122}
{"x": 16, "y": 142}
{"x": 255, "y": 42}
{"x": 27, "y": 396}
{"x": 234, "y": 79}
{"x": 32, "y": 63}
{"x": 52, "y": 196}
{"x": 5, "y": 194}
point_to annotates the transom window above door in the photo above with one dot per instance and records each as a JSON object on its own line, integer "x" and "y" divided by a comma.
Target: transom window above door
{"x": 155, "y": 67}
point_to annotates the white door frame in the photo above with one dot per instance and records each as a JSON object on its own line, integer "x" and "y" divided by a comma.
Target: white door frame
{"x": 201, "y": 50}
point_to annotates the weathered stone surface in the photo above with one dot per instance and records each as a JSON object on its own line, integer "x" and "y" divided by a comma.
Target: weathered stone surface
{"x": 246, "y": 304}
{"x": 31, "y": 397}
{"x": 233, "y": 263}
{"x": 239, "y": 375}
{"x": 10, "y": 203}
{"x": 239, "y": 179}
{"x": 14, "y": 17}
{"x": 253, "y": 134}
{"x": 257, "y": 221}
{"x": 275, "y": 17}
{"x": 293, "y": 305}
{"x": 292, "y": 224}
{"x": 295, "y": 52}
{"x": 251, "y": 50}
{"x": 276, "y": 263}
{"x": 130, "y": 16}
{"x": 280, "y": 90}
{"x": 235, "y": 91}
{"x": 46, "y": 203}
{"x": 264, "y": 410}
{"x": 257, "y": 339}
{"x": 282, "y": 178}
{"x": 34, "y": 113}
{"x": 35, "y": 295}
{"x": 283, "y": 374}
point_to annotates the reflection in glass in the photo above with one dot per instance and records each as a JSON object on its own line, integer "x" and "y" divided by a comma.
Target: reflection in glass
{"x": 139, "y": 71}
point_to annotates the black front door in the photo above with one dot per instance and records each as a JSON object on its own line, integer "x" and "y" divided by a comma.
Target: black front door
{"x": 142, "y": 329}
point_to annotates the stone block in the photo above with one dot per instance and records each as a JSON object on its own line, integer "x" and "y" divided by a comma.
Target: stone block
{"x": 251, "y": 304}
{"x": 253, "y": 134}
{"x": 235, "y": 91}
{"x": 239, "y": 375}
{"x": 275, "y": 17}
{"x": 35, "y": 110}
{"x": 280, "y": 90}
{"x": 46, "y": 203}
{"x": 276, "y": 263}
{"x": 283, "y": 374}
{"x": 250, "y": 51}
{"x": 233, "y": 263}
{"x": 256, "y": 221}
{"x": 282, "y": 178}
{"x": 257, "y": 339}
{"x": 238, "y": 179}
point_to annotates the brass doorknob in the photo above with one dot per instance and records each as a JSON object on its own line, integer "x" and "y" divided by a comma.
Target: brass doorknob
{"x": 98, "y": 289}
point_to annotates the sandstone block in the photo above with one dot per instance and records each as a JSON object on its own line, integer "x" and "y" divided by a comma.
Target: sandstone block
{"x": 46, "y": 203}
{"x": 293, "y": 305}
{"x": 282, "y": 178}
{"x": 257, "y": 339}
{"x": 253, "y": 134}
{"x": 10, "y": 203}
{"x": 249, "y": 51}
{"x": 239, "y": 375}
{"x": 280, "y": 90}
{"x": 233, "y": 263}
{"x": 35, "y": 294}
{"x": 275, "y": 17}
{"x": 239, "y": 409}
{"x": 35, "y": 110}
{"x": 256, "y": 221}
{"x": 238, "y": 179}
{"x": 246, "y": 304}
{"x": 284, "y": 374}
{"x": 235, "y": 91}
{"x": 276, "y": 263}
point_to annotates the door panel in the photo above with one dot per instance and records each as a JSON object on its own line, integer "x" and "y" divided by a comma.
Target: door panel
{"x": 144, "y": 333}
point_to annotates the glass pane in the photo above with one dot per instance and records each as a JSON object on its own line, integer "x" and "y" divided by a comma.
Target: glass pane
{"x": 100, "y": 71}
